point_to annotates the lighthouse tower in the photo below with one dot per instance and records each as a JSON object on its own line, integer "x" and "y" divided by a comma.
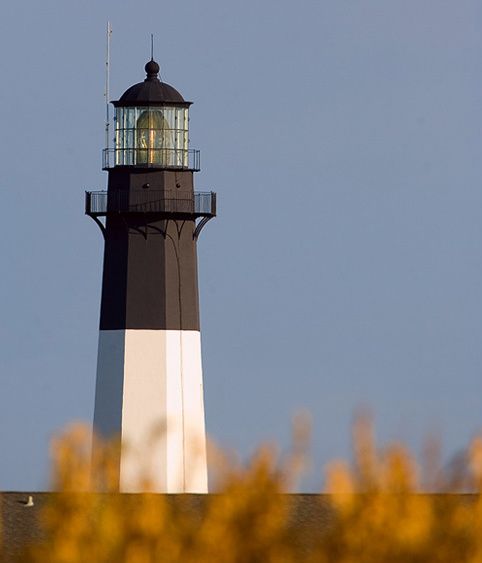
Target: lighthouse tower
{"x": 149, "y": 389}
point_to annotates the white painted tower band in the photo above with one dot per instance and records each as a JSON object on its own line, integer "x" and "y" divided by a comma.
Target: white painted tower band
{"x": 156, "y": 376}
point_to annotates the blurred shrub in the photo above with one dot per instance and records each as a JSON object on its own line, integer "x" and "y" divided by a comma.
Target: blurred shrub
{"x": 373, "y": 509}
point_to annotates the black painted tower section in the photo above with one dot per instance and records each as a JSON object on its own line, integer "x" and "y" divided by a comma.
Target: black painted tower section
{"x": 150, "y": 262}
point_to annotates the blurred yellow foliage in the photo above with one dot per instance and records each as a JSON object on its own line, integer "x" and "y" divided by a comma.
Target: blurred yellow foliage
{"x": 374, "y": 511}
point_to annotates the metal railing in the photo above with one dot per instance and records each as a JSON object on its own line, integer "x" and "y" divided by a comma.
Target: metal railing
{"x": 177, "y": 159}
{"x": 101, "y": 203}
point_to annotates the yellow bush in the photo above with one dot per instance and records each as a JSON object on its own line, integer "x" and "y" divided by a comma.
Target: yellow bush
{"x": 377, "y": 512}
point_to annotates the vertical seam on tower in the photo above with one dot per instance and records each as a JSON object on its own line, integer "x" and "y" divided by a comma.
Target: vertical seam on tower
{"x": 124, "y": 354}
{"x": 181, "y": 366}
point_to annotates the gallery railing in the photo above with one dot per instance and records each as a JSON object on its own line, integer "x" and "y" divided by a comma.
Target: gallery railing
{"x": 101, "y": 203}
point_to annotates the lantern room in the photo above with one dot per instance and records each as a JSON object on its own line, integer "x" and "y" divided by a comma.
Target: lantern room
{"x": 151, "y": 127}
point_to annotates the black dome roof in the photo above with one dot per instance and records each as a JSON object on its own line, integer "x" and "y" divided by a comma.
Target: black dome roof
{"x": 151, "y": 92}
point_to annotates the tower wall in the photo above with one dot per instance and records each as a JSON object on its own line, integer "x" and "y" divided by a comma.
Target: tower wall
{"x": 149, "y": 393}
{"x": 149, "y": 390}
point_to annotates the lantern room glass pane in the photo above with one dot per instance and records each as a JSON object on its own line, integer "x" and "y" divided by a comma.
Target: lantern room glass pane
{"x": 152, "y": 136}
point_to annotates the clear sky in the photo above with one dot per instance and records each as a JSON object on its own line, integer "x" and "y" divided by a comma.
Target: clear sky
{"x": 344, "y": 139}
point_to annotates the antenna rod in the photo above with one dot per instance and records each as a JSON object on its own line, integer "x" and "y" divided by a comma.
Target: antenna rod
{"x": 152, "y": 46}
{"x": 107, "y": 81}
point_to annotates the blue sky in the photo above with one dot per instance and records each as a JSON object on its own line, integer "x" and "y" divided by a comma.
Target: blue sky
{"x": 345, "y": 268}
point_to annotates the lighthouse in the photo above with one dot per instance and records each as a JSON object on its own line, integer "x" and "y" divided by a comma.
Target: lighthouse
{"x": 149, "y": 386}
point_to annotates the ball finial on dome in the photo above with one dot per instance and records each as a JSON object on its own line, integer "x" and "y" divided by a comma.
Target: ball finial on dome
{"x": 152, "y": 70}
